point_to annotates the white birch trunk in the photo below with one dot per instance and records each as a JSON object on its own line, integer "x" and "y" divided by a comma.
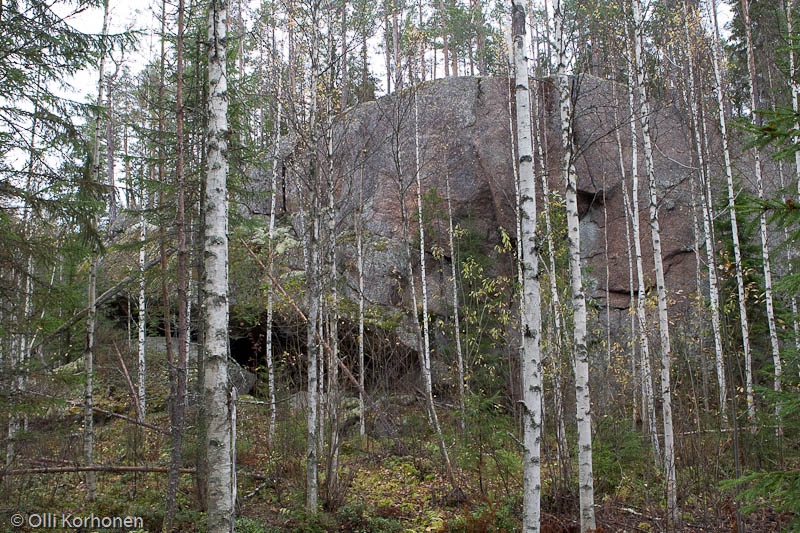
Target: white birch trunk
{"x": 532, "y": 319}
{"x": 219, "y": 431}
{"x": 332, "y": 478}
{"x": 456, "y": 314}
{"x": 426, "y": 350}
{"x": 762, "y": 219}
{"x": 644, "y": 343}
{"x": 270, "y": 291}
{"x": 557, "y": 335}
{"x": 518, "y": 228}
{"x": 360, "y": 260}
{"x": 315, "y": 356}
{"x": 706, "y": 201}
{"x": 716, "y": 59}
{"x": 142, "y": 391}
{"x": 661, "y": 289}
{"x": 795, "y": 88}
{"x": 581, "y": 355}
{"x": 628, "y": 246}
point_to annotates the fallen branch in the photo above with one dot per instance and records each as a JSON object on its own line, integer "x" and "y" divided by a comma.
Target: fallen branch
{"x": 132, "y": 420}
{"x": 114, "y": 469}
{"x": 107, "y": 295}
{"x": 387, "y": 425}
{"x": 118, "y": 469}
{"x": 98, "y": 410}
{"x": 131, "y": 388}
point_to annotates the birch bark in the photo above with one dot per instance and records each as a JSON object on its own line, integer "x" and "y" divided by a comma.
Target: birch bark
{"x": 795, "y": 88}
{"x": 716, "y": 59}
{"x": 661, "y": 288}
{"x": 581, "y": 355}
{"x": 706, "y": 201}
{"x": 762, "y": 219}
{"x": 532, "y": 319}
{"x": 426, "y": 350}
{"x": 218, "y": 393}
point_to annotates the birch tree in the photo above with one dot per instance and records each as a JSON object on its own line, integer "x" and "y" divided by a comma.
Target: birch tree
{"x": 581, "y": 354}
{"x": 706, "y": 205}
{"x": 426, "y": 350}
{"x": 532, "y": 319}
{"x": 762, "y": 220}
{"x": 719, "y": 90}
{"x": 271, "y": 237}
{"x": 218, "y": 393}
{"x": 648, "y": 396}
{"x": 794, "y": 86}
{"x": 661, "y": 289}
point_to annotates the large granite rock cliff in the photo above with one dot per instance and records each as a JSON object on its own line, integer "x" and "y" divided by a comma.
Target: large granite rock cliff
{"x": 464, "y": 133}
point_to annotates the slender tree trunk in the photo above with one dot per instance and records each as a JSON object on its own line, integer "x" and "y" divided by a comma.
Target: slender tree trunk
{"x": 532, "y": 320}
{"x": 142, "y": 390}
{"x": 88, "y": 354}
{"x": 273, "y": 408}
{"x": 795, "y": 88}
{"x": 762, "y": 220}
{"x": 345, "y": 81}
{"x": 312, "y": 300}
{"x": 456, "y": 313}
{"x": 313, "y": 291}
{"x": 332, "y": 477}
{"x": 360, "y": 260}
{"x": 179, "y": 385}
{"x": 644, "y": 342}
{"x": 716, "y": 59}
{"x": 88, "y": 368}
{"x": 218, "y": 392}
{"x": 706, "y": 201}
{"x": 426, "y": 351}
{"x": 445, "y": 43}
{"x": 628, "y": 218}
{"x": 162, "y": 237}
{"x": 661, "y": 289}
{"x": 581, "y": 355}
{"x": 398, "y": 69}
{"x": 387, "y": 46}
{"x": 557, "y": 334}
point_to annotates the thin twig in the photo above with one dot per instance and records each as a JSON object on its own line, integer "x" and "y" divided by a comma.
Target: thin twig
{"x": 378, "y": 411}
{"x": 134, "y": 393}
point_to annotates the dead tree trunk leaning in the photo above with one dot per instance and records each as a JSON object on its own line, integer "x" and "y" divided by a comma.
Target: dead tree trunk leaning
{"x": 532, "y": 319}
{"x": 581, "y": 355}
{"x": 218, "y": 393}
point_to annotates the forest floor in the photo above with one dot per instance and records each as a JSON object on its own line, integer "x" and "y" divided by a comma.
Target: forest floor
{"x": 381, "y": 487}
